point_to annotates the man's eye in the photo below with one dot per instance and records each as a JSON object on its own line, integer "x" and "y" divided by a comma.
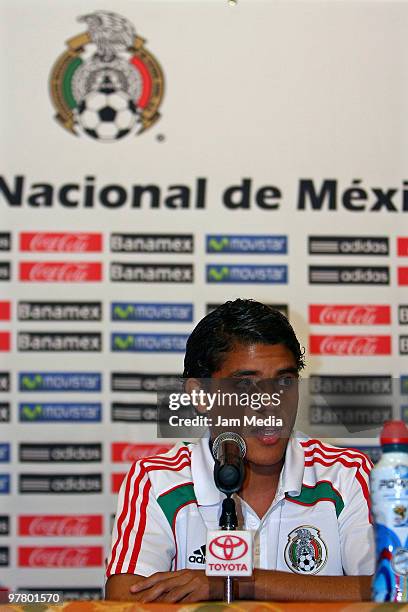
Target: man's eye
{"x": 286, "y": 381}
{"x": 244, "y": 384}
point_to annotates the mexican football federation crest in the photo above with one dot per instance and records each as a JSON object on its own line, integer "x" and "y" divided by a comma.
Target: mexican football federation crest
{"x": 305, "y": 552}
{"x": 106, "y": 85}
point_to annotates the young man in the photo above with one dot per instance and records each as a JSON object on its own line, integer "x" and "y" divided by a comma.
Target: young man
{"x": 306, "y": 502}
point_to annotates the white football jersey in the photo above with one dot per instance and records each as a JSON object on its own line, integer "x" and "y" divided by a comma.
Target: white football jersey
{"x": 318, "y": 523}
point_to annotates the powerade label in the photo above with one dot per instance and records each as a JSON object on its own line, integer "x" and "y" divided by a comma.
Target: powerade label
{"x": 389, "y": 494}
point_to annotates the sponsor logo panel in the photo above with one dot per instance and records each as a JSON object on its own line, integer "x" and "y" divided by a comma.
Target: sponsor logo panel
{"x": 133, "y": 412}
{"x": 402, "y": 246}
{"x": 4, "y": 452}
{"x": 51, "y": 525}
{"x": 350, "y": 415}
{"x": 57, "y": 242}
{"x": 149, "y": 383}
{"x": 349, "y": 275}
{"x": 5, "y": 341}
{"x": 4, "y": 525}
{"x": 403, "y": 314}
{"x": 5, "y": 241}
{"x": 403, "y": 345}
{"x": 403, "y": 276}
{"x": 404, "y": 413}
{"x": 60, "y": 271}
{"x": 404, "y": 385}
{"x": 234, "y": 243}
{"x": 116, "y": 481}
{"x": 4, "y": 412}
{"x": 145, "y": 311}
{"x": 350, "y": 345}
{"x": 348, "y": 245}
{"x": 38, "y": 412}
{"x": 60, "y": 484}
{"x": 152, "y": 243}
{"x": 151, "y": 273}
{"x": 149, "y": 343}
{"x": 283, "y": 308}
{"x": 277, "y": 274}
{"x": 5, "y": 382}
{"x": 60, "y": 453}
{"x": 60, "y": 556}
{"x": 5, "y": 271}
{"x": 349, "y": 314}
{"x": 5, "y": 483}
{"x": 348, "y": 384}
{"x": 125, "y": 452}
{"x": 5, "y": 311}
{"x": 59, "y": 341}
{"x": 60, "y": 381}
{"x": 59, "y": 311}
{"x": 4, "y": 556}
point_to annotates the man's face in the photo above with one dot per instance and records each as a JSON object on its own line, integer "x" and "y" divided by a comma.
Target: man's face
{"x": 255, "y": 363}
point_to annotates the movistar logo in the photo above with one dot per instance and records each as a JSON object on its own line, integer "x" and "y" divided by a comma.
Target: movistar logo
{"x": 123, "y": 343}
{"x": 218, "y": 244}
{"x": 30, "y": 413}
{"x": 124, "y": 313}
{"x": 32, "y": 382}
{"x": 217, "y": 273}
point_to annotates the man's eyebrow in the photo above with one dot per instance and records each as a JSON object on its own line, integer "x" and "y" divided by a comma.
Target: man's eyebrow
{"x": 290, "y": 370}
{"x": 244, "y": 373}
{"x": 285, "y": 370}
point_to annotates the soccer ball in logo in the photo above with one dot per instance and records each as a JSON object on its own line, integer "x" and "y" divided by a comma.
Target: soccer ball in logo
{"x": 108, "y": 114}
{"x": 306, "y": 562}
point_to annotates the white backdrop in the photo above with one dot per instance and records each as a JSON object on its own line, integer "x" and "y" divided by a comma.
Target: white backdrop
{"x": 285, "y": 95}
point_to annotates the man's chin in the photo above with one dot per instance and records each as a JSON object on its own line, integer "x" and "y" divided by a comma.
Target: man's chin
{"x": 265, "y": 449}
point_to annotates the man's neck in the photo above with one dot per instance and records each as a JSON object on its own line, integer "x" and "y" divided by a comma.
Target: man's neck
{"x": 260, "y": 484}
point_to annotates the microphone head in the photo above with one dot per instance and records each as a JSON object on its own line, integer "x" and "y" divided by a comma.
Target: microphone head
{"x": 228, "y": 436}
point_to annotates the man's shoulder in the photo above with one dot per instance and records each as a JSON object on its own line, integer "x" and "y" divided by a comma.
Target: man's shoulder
{"x": 339, "y": 465}
{"x": 168, "y": 470}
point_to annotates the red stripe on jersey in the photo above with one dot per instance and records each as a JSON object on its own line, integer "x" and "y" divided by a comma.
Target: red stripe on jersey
{"x": 358, "y": 475}
{"x": 310, "y": 453}
{"x": 124, "y": 512}
{"x": 183, "y": 484}
{"x": 313, "y": 503}
{"x": 141, "y": 527}
{"x": 349, "y": 451}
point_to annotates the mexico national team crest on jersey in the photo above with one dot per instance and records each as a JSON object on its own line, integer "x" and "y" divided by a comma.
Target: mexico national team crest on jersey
{"x": 106, "y": 85}
{"x": 305, "y": 552}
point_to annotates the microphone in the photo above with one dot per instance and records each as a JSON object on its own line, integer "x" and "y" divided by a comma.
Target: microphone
{"x": 228, "y": 450}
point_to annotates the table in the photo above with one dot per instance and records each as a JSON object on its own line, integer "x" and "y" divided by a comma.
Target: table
{"x": 238, "y": 606}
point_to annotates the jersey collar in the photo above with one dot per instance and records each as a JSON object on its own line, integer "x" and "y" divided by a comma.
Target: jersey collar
{"x": 202, "y": 466}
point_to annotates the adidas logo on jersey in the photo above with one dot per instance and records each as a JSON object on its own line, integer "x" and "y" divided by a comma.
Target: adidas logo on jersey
{"x": 198, "y": 556}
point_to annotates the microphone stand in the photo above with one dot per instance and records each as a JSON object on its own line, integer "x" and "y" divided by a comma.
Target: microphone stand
{"x": 228, "y": 522}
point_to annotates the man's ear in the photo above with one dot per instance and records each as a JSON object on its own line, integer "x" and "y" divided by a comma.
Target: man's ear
{"x": 195, "y": 384}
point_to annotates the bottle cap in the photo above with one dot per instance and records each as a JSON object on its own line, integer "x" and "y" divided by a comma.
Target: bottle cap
{"x": 394, "y": 432}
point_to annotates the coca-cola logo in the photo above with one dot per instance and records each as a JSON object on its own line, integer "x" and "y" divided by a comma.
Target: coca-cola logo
{"x": 350, "y": 345}
{"x": 128, "y": 453}
{"x": 60, "y": 557}
{"x": 59, "y": 526}
{"x": 60, "y": 242}
{"x": 74, "y": 272}
{"x": 362, "y": 314}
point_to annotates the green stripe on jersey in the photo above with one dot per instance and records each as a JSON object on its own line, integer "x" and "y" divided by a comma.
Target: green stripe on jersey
{"x": 173, "y": 500}
{"x": 322, "y": 491}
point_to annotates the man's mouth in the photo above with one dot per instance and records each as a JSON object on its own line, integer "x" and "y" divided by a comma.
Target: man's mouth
{"x": 266, "y": 435}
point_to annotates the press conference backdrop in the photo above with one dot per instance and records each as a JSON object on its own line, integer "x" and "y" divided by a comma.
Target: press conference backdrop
{"x": 155, "y": 163}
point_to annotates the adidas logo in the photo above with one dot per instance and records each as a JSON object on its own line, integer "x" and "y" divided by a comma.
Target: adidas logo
{"x": 198, "y": 556}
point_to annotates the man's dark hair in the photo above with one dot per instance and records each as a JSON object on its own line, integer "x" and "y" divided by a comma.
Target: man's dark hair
{"x": 240, "y": 321}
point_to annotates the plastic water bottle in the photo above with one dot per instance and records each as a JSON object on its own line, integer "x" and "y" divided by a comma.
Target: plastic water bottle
{"x": 389, "y": 496}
